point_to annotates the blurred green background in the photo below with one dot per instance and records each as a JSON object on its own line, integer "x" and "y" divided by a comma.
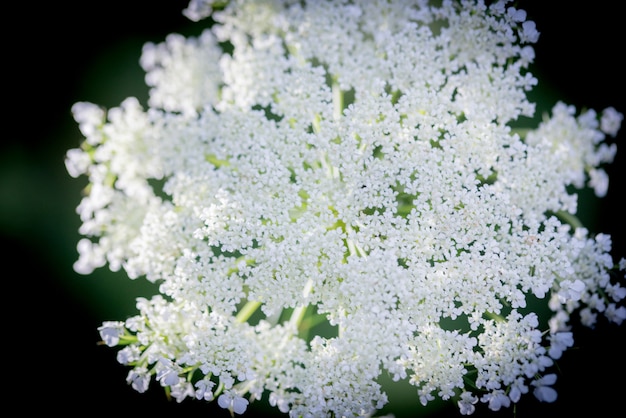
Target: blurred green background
{"x": 58, "y": 53}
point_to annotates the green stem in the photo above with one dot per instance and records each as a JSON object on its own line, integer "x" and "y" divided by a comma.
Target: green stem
{"x": 316, "y": 124}
{"x": 246, "y": 312}
{"x": 310, "y": 321}
{"x": 220, "y": 388}
{"x": 297, "y": 316}
{"x": 337, "y": 99}
{"x": 522, "y": 132}
{"x": 569, "y": 219}
{"x": 495, "y": 316}
{"x": 127, "y": 339}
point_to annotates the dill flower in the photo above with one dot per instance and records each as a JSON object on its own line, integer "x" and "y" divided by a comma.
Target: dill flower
{"x": 328, "y": 192}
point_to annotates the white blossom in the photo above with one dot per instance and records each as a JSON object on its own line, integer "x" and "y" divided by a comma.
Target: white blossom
{"x": 167, "y": 373}
{"x": 616, "y": 314}
{"x": 139, "y": 379}
{"x": 611, "y": 121}
{"x": 571, "y": 290}
{"x": 543, "y": 390}
{"x": 467, "y": 403}
{"x": 111, "y": 331}
{"x": 198, "y": 9}
{"x": 496, "y": 400}
{"x": 204, "y": 389}
{"x": 128, "y": 354}
{"x": 233, "y": 402}
{"x": 559, "y": 342}
{"x": 326, "y": 193}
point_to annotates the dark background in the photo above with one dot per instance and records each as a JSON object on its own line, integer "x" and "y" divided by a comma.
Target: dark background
{"x": 58, "y": 53}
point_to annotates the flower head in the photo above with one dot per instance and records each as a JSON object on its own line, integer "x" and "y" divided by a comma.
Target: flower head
{"x": 327, "y": 192}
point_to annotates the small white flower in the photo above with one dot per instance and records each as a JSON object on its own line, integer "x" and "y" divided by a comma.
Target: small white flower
{"x": 530, "y": 33}
{"x": 588, "y": 317}
{"x": 233, "y": 402}
{"x": 467, "y": 403}
{"x": 204, "y": 389}
{"x": 182, "y": 390}
{"x": 89, "y": 117}
{"x": 167, "y": 372}
{"x": 611, "y": 121}
{"x": 571, "y": 290}
{"x": 516, "y": 14}
{"x": 128, "y": 354}
{"x": 496, "y": 400}
{"x": 168, "y": 377}
{"x": 615, "y": 314}
{"x": 543, "y": 392}
{"x": 198, "y": 9}
{"x": 77, "y": 162}
{"x": 559, "y": 342}
{"x": 616, "y": 292}
{"x": 139, "y": 379}
{"x": 111, "y": 331}
{"x": 517, "y": 389}
{"x": 599, "y": 181}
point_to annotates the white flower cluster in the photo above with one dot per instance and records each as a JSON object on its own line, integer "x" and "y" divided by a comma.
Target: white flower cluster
{"x": 349, "y": 169}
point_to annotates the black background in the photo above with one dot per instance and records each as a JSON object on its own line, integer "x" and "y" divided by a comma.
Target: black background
{"x": 54, "y": 53}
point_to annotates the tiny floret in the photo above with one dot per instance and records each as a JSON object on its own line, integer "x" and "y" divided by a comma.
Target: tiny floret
{"x": 233, "y": 403}
{"x": 559, "y": 342}
{"x": 571, "y": 290}
{"x": 543, "y": 390}
{"x": 611, "y": 121}
{"x": 530, "y": 33}
{"x": 139, "y": 379}
{"x": 110, "y": 332}
{"x": 467, "y": 403}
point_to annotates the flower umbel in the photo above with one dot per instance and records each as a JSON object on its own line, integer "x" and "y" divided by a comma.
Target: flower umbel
{"x": 328, "y": 192}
